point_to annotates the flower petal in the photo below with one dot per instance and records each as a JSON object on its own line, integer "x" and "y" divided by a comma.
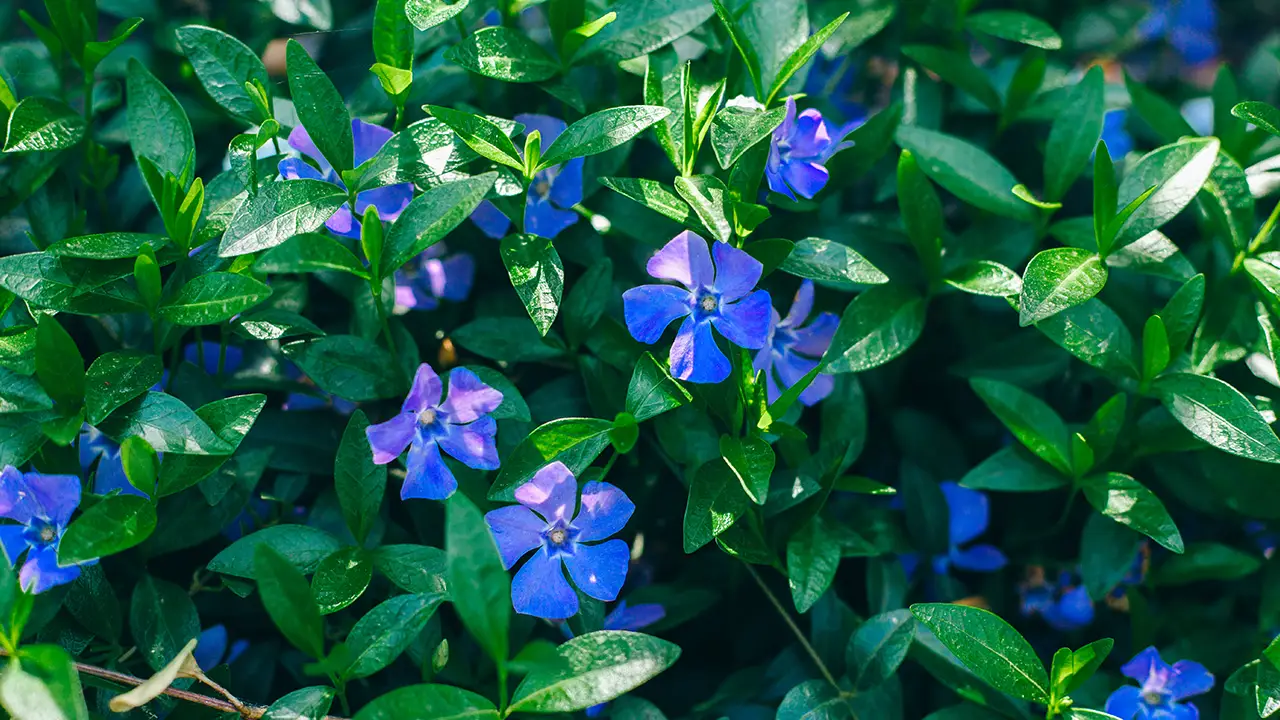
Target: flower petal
{"x": 746, "y": 323}
{"x": 566, "y": 190}
{"x": 636, "y": 617}
{"x": 978, "y": 558}
{"x": 541, "y": 590}
{"x": 469, "y": 398}
{"x": 818, "y": 390}
{"x": 425, "y": 391}
{"x": 427, "y": 477}
{"x": 968, "y": 510}
{"x": 600, "y": 570}
{"x": 686, "y": 260}
{"x": 1189, "y": 678}
{"x": 1124, "y": 703}
{"x": 806, "y": 178}
{"x": 815, "y": 339}
{"x": 516, "y": 530}
{"x": 811, "y": 137}
{"x": 56, "y": 496}
{"x": 547, "y": 127}
{"x": 410, "y": 295}
{"x": 369, "y": 139}
{"x": 343, "y": 223}
{"x": 390, "y": 200}
{"x": 695, "y": 356}
{"x": 211, "y": 645}
{"x": 773, "y": 174}
{"x": 41, "y": 571}
{"x": 451, "y": 277}
{"x": 473, "y": 444}
{"x": 544, "y": 219}
{"x": 12, "y": 542}
{"x": 1073, "y": 610}
{"x": 649, "y": 309}
{"x": 736, "y": 272}
{"x": 1183, "y": 711}
{"x": 552, "y": 492}
{"x": 801, "y": 305}
{"x": 605, "y": 510}
{"x": 298, "y": 169}
{"x": 300, "y": 140}
{"x": 490, "y": 220}
{"x": 390, "y": 438}
{"x": 1143, "y": 664}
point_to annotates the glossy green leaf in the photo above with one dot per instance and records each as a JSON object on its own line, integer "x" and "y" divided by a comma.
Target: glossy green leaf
{"x": 966, "y": 170}
{"x": 1071, "y": 669}
{"x": 43, "y": 125}
{"x": 879, "y": 646}
{"x": 167, "y": 424}
{"x": 652, "y": 391}
{"x": 876, "y": 327}
{"x": 278, "y": 212}
{"x": 310, "y": 252}
{"x": 426, "y": 14}
{"x": 1074, "y": 133}
{"x": 230, "y": 419}
{"x": 478, "y": 581}
{"x": 957, "y": 69}
{"x": 985, "y": 277}
{"x": 595, "y": 668}
{"x": 989, "y": 647}
{"x": 386, "y": 631}
{"x": 431, "y": 216}
{"x": 751, "y": 459}
{"x": 158, "y": 126}
{"x": 506, "y": 339}
{"x": 643, "y": 26}
{"x": 1206, "y": 561}
{"x": 429, "y": 702}
{"x": 831, "y": 262}
{"x": 736, "y": 129}
{"x": 576, "y": 442}
{"x": 1016, "y": 26}
{"x": 1260, "y": 114}
{"x": 1218, "y": 414}
{"x": 288, "y": 601}
{"x": 1012, "y": 469}
{"x": 600, "y": 132}
{"x": 163, "y": 620}
{"x": 802, "y": 55}
{"x": 113, "y": 525}
{"x": 348, "y": 366}
{"x": 1031, "y": 421}
{"x": 1129, "y": 502}
{"x": 303, "y": 546}
{"x": 223, "y": 65}
{"x": 359, "y": 482}
{"x": 537, "y": 276}
{"x": 309, "y": 703}
{"x": 213, "y": 298}
{"x": 716, "y": 501}
{"x": 21, "y": 394}
{"x": 320, "y": 108}
{"x": 504, "y": 53}
{"x": 59, "y": 365}
{"x": 1096, "y": 335}
{"x": 341, "y": 578}
{"x": 813, "y": 553}
{"x": 413, "y": 568}
{"x": 1177, "y": 172}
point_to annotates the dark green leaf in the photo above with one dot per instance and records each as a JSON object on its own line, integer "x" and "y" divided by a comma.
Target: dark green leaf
{"x": 879, "y": 646}
{"x": 21, "y": 394}
{"x": 596, "y": 668}
{"x": 1074, "y": 134}
{"x": 802, "y": 55}
{"x": 1206, "y": 561}
{"x": 966, "y": 170}
{"x": 288, "y": 601}
{"x": 831, "y": 262}
{"x": 213, "y": 298}
{"x": 167, "y": 424}
{"x": 505, "y": 339}
{"x": 716, "y": 501}
{"x": 413, "y": 568}
{"x": 1260, "y": 114}
{"x": 989, "y": 647}
{"x": 430, "y": 217}
{"x": 815, "y": 700}
{"x": 643, "y": 26}
{"x": 113, "y": 525}
{"x": 301, "y": 545}
{"x": 348, "y": 366}
{"x": 279, "y": 211}
{"x": 386, "y": 631}
{"x": 587, "y": 300}
{"x": 429, "y": 702}
{"x": 751, "y": 459}
{"x": 59, "y": 365}
{"x": 736, "y": 129}
{"x": 478, "y": 582}
{"x": 813, "y": 553}
{"x": 1010, "y": 469}
{"x": 163, "y": 620}
{"x": 310, "y": 703}
{"x": 1218, "y": 414}
{"x": 1129, "y": 502}
{"x": 537, "y": 275}
{"x": 1031, "y": 421}
{"x": 876, "y": 327}
{"x": 223, "y": 65}
{"x": 504, "y": 53}
{"x": 576, "y": 442}
{"x": 321, "y": 110}
{"x": 655, "y": 196}
{"x": 392, "y": 34}
{"x": 360, "y": 484}
{"x": 230, "y": 419}
{"x": 1016, "y": 26}
{"x": 341, "y": 578}
{"x": 600, "y": 132}
{"x": 652, "y": 391}
{"x": 107, "y": 246}
{"x": 310, "y": 252}
{"x": 158, "y": 126}
{"x": 956, "y": 69}
{"x": 1094, "y": 334}
{"x": 481, "y": 135}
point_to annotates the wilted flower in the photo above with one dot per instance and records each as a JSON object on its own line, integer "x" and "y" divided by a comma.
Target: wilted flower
{"x": 801, "y": 146}
{"x": 460, "y": 425}
{"x": 1163, "y": 689}
{"x": 793, "y": 350}
{"x": 554, "y": 191}
{"x": 434, "y": 276}
{"x": 717, "y": 295}
{"x": 211, "y": 648}
{"x": 369, "y": 139}
{"x": 545, "y": 522}
{"x": 41, "y": 505}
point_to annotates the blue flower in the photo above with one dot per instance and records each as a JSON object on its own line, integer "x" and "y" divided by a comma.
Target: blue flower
{"x": 1189, "y": 26}
{"x": 801, "y": 145}
{"x": 968, "y": 516}
{"x": 110, "y": 474}
{"x": 833, "y": 80}
{"x": 369, "y": 139}
{"x": 461, "y": 426}
{"x": 1265, "y": 539}
{"x": 41, "y": 505}
{"x": 717, "y": 295}
{"x": 211, "y": 648}
{"x": 1119, "y": 141}
{"x": 431, "y": 277}
{"x": 1163, "y": 689}
{"x": 548, "y": 208}
{"x": 545, "y": 522}
{"x": 792, "y": 350}
{"x": 1064, "y": 605}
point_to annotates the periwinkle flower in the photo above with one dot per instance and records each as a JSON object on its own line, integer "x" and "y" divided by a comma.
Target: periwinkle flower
{"x": 793, "y": 349}
{"x": 432, "y": 276}
{"x": 1163, "y": 689}
{"x": 211, "y": 648}
{"x": 718, "y": 295}
{"x": 545, "y": 523}
{"x": 801, "y": 146}
{"x": 1119, "y": 141}
{"x": 369, "y": 139}
{"x": 1065, "y": 605}
{"x": 461, "y": 426}
{"x": 41, "y": 506}
{"x": 548, "y": 208}
{"x": 95, "y": 446}
{"x": 969, "y": 514}
{"x": 1190, "y": 27}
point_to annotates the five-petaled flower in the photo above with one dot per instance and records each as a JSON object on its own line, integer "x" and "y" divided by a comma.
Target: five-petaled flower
{"x": 801, "y": 146}
{"x": 1163, "y": 689}
{"x": 369, "y": 139}
{"x": 41, "y": 505}
{"x": 969, "y": 514}
{"x": 461, "y": 426}
{"x": 717, "y": 295}
{"x": 544, "y": 522}
{"x": 432, "y": 276}
{"x": 793, "y": 350}
{"x": 552, "y": 193}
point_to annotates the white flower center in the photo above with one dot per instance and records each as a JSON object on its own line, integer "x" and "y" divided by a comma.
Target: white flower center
{"x": 557, "y": 536}
{"x": 1152, "y": 698}
{"x": 46, "y": 533}
{"x": 426, "y": 417}
{"x": 708, "y": 303}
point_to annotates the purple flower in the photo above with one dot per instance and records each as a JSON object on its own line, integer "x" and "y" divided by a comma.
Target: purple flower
{"x": 41, "y": 505}
{"x": 1163, "y": 689}
{"x": 719, "y": 295}
{"x": 552, "y": 194}
{"x": 461, "y": 426}
{"x": 369, "y": 139}
{"x": 792, "y": 351}
{"x": 1190, "y": 26}
{"x": 211, "y": 648}
{"x": 800, "y": 147}
{"x": 545, "y": 522}
{"x": 1064, "y": 605}
{"x": 110, "y": 474}
{"x": 431, "y": 277}
{"x": 969, "y": 515}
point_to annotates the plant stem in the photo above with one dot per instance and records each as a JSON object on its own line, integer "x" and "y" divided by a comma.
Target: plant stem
{"x": 795, "y": 629}
{"x": 386, "y": 324}
{"x": 502, "y": 686}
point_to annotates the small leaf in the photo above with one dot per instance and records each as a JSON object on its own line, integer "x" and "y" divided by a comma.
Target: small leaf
{"x": 708, "y": 197}
{"x": 1058, "y": 279}
{"x": 223, "y": 65}
{"x": 505, "y": 54}
{"x": 1016, "y": 26}
{"x": 813, "y": 553}
{"x": 321, "y": 110}
{"x": 431, "y": 216}
{"x": 1177, "y": 173}
{"x": 601, "y": 132}
{"x": 1129, "y": 502}
{"x": 596, "y": 668}
{"x": 966, "y": 170}
{"x": 652, "y": 391}
{"x": 989, "y": 647}
{"x": 831, "y": 262}
{"x": 751, "y": 460}
{"x": 213, "y": 298}
{"x": 478, "y": 582}
{"x": 278, "y": 212}
{"x": 1031, "y": 421}
{"x": 985, "y": 277}
{"x": 1218, "y": 414}
{"x": 537, "y": 275}
{"x": 716, "y": 501}
{"x": 386, "y": 631}
{"x": 426, "y": 14}
{"x": 340, "y": 579}
{"x": 879, "y": 646}
{"x": 113, "y": 525}
{"x": 288, "y": 601}
{"x": 429, "y": 702}
{"x": 876, "y": 327}
{"x": 43, "y": 125}
{"x": 1260, "y": 114}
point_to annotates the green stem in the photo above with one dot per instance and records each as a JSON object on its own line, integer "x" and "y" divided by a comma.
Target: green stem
{"x": 376, "y": 291}
{"x": 222, "y": 349}
{"x": 502, "y": 687}
{"x": 795, "y": 629}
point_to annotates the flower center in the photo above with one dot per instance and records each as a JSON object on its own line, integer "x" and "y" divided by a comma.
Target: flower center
{"x": 1152, "y": 698}
{"x": 708, "y": 302}
{"x": 542, "y": 186}
{"x": 557, "y": 536}
{"x": 47, "y": 534}
{"x": 426, "y": 417}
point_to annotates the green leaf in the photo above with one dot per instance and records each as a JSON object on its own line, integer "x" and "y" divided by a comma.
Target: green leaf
{"x": 1229, "y": 202}
{"x": 426, "y": 153}
{"x": 43, "y": 125}
{"x": 1260, "y": 114}
{"x": 158, "y": 126}
{"x": 301, "y": 545}
{"x": 1072, "y": 669}
{"x": 392, "y": 34}
{"x": 505, "y": 339}
{"x": 97, "y": 50}
{"x": 816, "y": 700}
{"x": 59, "y": 365}
{"x": 426, "y": 14}
{"x": 921, "y": 212}
{"x": 876, "y": 327}
{"x": 230, "y": 419}
{"x": 576, "y": 442}
{"x": 42, "y": 683}
{"x": 802, "y": 55}
{"x": 1177, "y": 172}
{"x": 1094, "y": 334}
{"x": 737, "y": 129}
{"x": 1074, "y": 134}
{"x": 828, "y": 261}
{"x": 587, "y": 300}
{"x": 478, "y": 581}
{"x": 167, "y": 424}
{"x": 1057, "y": 279}
{"x": 429, "y": 702}
{"x": 113, "y": 525}
{"x": 59, "y": 283}
{"x": 213, "y": 298}
{"x": 600, "y": 132}
{"x": 708, "y": 197}
{"x": 652, "y": 391}
{"x": 1163, "y": 116}
{"x": 481, "y": 135}
{"x": 358, "y": 481}
{"x": 310, "y": 252}
{"x": 163, "y": 620}
{"x": 879, "y": 646}
{"x": 644, "y": 26}
{"x": 1218, "y": 414}
{"x": 655, "y": 196}
{"x": 341, "y": 578}
{"x": 966, "y": 170}
{"x": 223, "y": 65}
{"x": 115, "y": 378}
{"x": 989, "y": 647}
{"x": 278, "y": 212}
{"x": 413, "y": 568}
{"x": 595, "y": 668}
{"x": 1206, "y": 561}
{"x": 1129, "y": 502}
{"x": 21, "y": 394}
{"x": 348, "y": 366}
{"x": 1182, "y": 312}
{"x": 985, "y": 277}
{"x": 1016, "y": 26}
{"x": 1010, "y": 469}
{"x": 957, "y": 69}
{"x": 386, "y": 631}
{"x": 537, "y": 275}
{"x": 716, "y": 501}
{"x": 1155, "y": 347}
{"x": 320, "y": 108}
{"x": 309, "y": 703}
{"x": 431, "y": 216}
{"x": 1031, "y": 421}
{"x": 288, "y": 601}
{"x": 107, "y": 246}
{"x": 813, "y": 553}
{"x": 751, "y": 460}
{"x": 746, "y": 49}
{"x": 504, "y": 53}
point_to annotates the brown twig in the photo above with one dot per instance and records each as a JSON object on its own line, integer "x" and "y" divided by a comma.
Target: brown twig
{"x": 249, "y": 712}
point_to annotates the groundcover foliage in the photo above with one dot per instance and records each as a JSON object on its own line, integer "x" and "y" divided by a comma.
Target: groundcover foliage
{"x": 653, "y": 358}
